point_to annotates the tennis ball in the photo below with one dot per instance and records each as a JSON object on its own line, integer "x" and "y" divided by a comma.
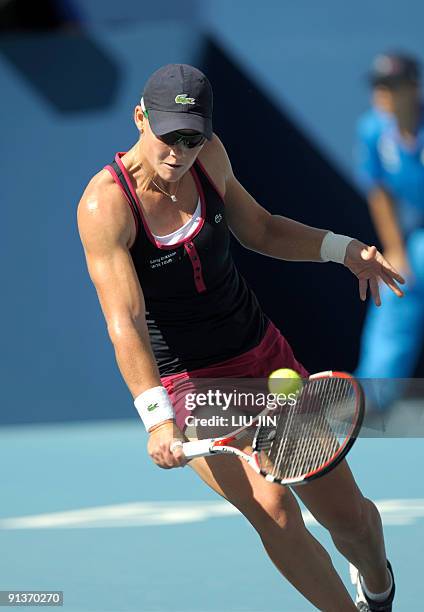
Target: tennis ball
{"x": 284, "y": 381}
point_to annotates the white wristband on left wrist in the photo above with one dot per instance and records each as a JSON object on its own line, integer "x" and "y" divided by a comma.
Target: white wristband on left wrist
{"x": 154, "y": 406}
{"x": 333, "y": 247}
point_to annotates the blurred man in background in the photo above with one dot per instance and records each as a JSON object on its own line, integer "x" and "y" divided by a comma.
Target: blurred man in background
{"x": 390, "y": 164}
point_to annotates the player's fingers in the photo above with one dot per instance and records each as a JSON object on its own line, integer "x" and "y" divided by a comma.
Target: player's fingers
{"x": 388, "y": 268}
{"x": 388, "y": 280}
{"x": 176, "y": 448}
{"x": 167, "y": 459}
{"x": 161, "y": 461}
{"x": 175, "y": 444}
{"x": 400, "y": 279}
{"x": 170, "y": 459}
{"x": 163, "y": 457}
{"x": 375, "y": 291}
{"x": 363, "y": 284}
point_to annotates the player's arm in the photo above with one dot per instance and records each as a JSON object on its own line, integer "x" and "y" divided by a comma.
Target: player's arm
{"x": 105, "y": 222}
{"x": 284, "y": 238}
{"x": 253, "y": 226}
{"x": 104, "y": 225}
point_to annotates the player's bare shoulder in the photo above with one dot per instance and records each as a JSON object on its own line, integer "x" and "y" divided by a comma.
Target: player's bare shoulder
{"x": 214, "y": 158}
{"x": 103, "y": 212}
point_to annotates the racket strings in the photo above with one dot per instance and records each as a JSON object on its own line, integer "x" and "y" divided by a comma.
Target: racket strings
{"x": 309, "y": 433}
{"x": 331, "y": 439}
{"x": 319, "y": 451}
{"x": 290, "y": 457}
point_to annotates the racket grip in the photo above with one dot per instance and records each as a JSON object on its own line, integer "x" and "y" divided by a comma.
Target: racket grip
{"x": 197, "y": 448}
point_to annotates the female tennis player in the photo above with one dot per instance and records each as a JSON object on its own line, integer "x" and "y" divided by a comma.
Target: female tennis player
{"x": 155, "y": 228}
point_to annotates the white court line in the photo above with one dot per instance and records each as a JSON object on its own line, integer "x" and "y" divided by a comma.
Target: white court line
{"x": 143, "y": 514}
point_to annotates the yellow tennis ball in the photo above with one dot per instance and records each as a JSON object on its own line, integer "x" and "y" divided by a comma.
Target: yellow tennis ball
{"x": 284, "y": 381}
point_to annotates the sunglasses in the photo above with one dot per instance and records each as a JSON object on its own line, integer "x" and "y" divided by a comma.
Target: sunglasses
{"x": 179, "y": 138}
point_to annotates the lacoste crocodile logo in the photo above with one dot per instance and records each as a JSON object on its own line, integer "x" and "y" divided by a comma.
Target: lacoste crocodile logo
{"x": 184, "y": 99}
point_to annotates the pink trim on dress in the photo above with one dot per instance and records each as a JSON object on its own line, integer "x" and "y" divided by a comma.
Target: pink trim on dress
{"x": 128, "y": 179}
{"x": 145, "y": 225}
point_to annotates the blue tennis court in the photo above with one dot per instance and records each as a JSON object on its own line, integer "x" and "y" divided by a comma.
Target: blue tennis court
{"x": 85, "y": 511}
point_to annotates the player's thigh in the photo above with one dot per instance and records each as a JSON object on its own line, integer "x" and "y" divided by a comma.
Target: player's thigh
{"x": 335, "y": 499}
{"x": 233, "y": 479}
{"x": 263, "y": 503}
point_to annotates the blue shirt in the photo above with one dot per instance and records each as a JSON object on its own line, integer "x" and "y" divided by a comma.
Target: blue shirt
{"x": 384, "y": 159}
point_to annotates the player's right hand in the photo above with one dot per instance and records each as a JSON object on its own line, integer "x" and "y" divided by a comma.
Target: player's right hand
{"x": 158, "y": 446}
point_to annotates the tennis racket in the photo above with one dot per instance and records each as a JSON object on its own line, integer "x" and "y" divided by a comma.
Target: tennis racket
{"x": 297, "y": 443}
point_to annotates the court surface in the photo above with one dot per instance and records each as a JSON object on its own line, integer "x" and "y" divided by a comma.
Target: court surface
{"x": 83, "y": 510}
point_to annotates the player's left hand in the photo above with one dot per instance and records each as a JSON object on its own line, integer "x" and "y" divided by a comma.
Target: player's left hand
{"x": 370, "y": 267}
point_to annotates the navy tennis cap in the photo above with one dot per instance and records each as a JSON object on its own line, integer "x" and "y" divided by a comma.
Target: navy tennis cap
{"x": 391, "y": 69}
{"x": 178, "y": 97}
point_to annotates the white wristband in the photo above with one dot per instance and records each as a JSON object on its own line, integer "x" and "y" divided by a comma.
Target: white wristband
{"x": 154, "y": 406}
{"x": 333, "y": 247}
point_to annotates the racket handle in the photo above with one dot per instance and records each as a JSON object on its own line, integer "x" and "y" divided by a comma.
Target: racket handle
{"x": 197, "y": 448}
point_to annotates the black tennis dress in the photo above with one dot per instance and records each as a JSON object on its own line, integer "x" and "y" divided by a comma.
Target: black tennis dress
{"x": 199, "y": 309}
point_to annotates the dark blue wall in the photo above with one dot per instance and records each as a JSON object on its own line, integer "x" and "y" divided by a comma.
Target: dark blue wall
{"x": 287, "y": 90}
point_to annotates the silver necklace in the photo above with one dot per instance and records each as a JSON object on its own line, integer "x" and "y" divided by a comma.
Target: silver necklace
{"x": 173, "y": 196}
